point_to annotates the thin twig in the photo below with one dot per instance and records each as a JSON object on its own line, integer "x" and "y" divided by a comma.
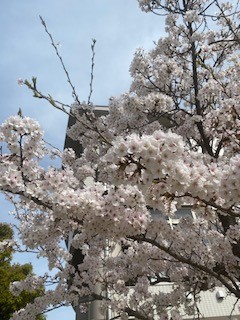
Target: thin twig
{"x": 74, "y": 94}
{"x": 233, "y": 308}
{"x": 52, "y": 146}
{"x": 54, "y": 308}
{"x": 92, "y": 69}
{"x": 37, "y": 94}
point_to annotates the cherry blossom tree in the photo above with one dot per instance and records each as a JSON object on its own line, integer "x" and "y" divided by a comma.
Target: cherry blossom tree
{"x": 172, "y": 140}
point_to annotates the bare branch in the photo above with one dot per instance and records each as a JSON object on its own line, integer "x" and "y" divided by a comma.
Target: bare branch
{"x": 74, "y": 94}
{"x": 92, "y": 69}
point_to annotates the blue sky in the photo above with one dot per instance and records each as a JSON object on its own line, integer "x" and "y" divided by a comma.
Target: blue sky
{"x": 119, "y": 28}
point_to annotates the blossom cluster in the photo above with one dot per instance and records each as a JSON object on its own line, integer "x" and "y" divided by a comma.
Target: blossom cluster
{"x": 31, "y": 283}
